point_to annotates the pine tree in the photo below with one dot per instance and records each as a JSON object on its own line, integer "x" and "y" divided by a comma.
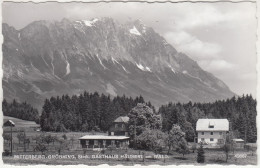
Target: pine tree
{"x": 201, "y": 156}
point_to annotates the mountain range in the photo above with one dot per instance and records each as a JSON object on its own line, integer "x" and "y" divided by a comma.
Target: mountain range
{"x": 50, "y": 58}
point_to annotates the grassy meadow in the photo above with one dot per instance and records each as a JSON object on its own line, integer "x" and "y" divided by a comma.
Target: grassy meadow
{"x": 73, "y": 148}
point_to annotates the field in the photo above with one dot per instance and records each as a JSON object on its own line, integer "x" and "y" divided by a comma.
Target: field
{"x": 74, "y": 152}
{"x": 212, "y": 156}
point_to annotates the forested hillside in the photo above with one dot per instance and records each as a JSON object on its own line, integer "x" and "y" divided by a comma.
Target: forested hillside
{"x": 240, "y": 111}
{"x": 22, "y": 111}
{"x": 85, "y": 112}
{"x": 92, "y": 111}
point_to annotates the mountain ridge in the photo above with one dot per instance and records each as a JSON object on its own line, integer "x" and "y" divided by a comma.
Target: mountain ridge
{"x": 46, "y": 59}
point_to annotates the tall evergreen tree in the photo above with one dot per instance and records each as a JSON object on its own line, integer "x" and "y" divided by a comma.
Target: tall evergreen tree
{"x": 201, "y": 156}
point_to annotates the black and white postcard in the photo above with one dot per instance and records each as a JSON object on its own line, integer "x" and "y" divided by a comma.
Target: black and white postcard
{"x": 126, "y": 83}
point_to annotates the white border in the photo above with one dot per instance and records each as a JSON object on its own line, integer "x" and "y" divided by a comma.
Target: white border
{"x": 143, "y": 1}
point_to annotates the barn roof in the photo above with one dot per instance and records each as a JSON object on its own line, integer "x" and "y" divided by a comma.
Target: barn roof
{"x": 124, "y": 119}
{"x": 212, "y": 125}
{"x": 103, "y": 137}
{"x": 9, "y": 123}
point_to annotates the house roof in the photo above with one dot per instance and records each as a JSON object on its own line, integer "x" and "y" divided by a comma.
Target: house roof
{"x": 124, "y": 119}
{"x": 103, "y": 137}
{"x": 218, "y": 125}
{"x": 9, "y": 123}
{"x": 238, "y": 140}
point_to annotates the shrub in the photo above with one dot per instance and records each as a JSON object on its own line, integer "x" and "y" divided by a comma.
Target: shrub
{"x": 182, "y": 147}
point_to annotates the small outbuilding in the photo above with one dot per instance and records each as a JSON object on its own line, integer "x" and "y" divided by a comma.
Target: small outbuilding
{"x": 104, "y": 141}
{"x": 239, "y": 143}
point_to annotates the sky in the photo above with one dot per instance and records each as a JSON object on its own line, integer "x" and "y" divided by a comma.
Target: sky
{"x": 220, "y": 37}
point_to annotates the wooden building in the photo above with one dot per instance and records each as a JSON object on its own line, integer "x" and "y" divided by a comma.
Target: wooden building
{"x": 117, "y": 136}
{"x": 239, "y": 143}
{"x": 104, "y": 141}
{"x": 119, "y": 127}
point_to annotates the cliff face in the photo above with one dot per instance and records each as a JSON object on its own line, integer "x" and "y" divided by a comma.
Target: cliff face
{"x": 47, "y": 59}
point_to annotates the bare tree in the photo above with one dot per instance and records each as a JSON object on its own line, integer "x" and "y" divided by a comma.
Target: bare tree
{"x": 20, "y": 136}
{"x": 40, "y": 147}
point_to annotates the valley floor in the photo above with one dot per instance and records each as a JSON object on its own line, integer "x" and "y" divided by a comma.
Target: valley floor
{"x": 212, "y": 157}
{"x": 73, "y": 153}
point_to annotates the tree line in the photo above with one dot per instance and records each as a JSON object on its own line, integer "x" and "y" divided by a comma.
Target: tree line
{"x": 22, "y": 110}
{"x": 86, "y": 112}
{"x": 92, "y": 111}
{"x": 240, "y": 111}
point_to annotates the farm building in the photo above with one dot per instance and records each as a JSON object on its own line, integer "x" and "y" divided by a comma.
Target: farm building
{"x": 238, "y": 143}
{"x": 117, "y": 136}
{"x": 212, "y": 131}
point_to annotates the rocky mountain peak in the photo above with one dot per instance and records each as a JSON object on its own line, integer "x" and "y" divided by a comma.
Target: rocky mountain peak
{"x": 100, "y": 54}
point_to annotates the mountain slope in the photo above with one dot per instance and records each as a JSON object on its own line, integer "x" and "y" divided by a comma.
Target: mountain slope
{"x": 52, "y": 58}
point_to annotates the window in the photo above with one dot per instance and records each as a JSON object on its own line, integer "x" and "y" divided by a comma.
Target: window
{"x": 220, "y": 133}
{"x": 211, "y": 126}
{"x": 202, "y": 139}
{"x": 95, "y": 142}
{"x": 115, "y": 125}
{"x": 220, "y": 141}
{"x": 112, "y": 133}
{"x": 202, "y": 133}
{"x": 112, "y": 142}
{"x": 211, "y": 139}
{"x": 123, "y": 125}
{"x": 211, "y": 133}
{"x": 104, "y": 142}
{"x": 87, "y": 142}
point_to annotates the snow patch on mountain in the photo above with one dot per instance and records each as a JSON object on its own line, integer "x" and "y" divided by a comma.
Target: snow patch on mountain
{"x": 101, "y": 63}
{"x": 67, "y": 68}
{"x": 172, "y": 68}
{"x": 148, "y": 69}
{"x": 140, "y": 66}
{"x": 19, "y": 36}
{"x": 90, "y": 23}
{"x": 111, "y": 89}
{"x": 79, "y": 27}
{"x": 144, "y": 29}
{"x": 124, "y": 69}
{"x": 44, "y": 61}
{"x": 135, "y": 31}
{"x": 52, "y": 66}
{"x": 20, "y": 73}
{"x": 184, "y": 72}
{"x": 114, "y": 60}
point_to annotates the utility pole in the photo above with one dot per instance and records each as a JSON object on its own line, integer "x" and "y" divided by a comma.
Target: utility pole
{"x": 135, "y": 133}
{"x": 11, "y": 140}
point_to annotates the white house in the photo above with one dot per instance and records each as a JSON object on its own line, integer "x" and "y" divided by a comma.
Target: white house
{"x": 212, "y": 131}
